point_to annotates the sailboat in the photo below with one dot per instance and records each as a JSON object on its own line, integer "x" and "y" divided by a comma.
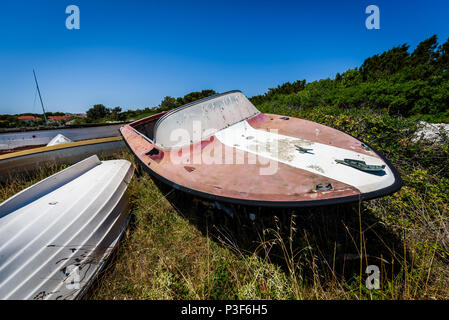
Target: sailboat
{"x": 27, "y": 150}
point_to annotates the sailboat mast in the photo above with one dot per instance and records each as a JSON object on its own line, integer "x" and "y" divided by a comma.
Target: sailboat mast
{"x": 40, "y": 97}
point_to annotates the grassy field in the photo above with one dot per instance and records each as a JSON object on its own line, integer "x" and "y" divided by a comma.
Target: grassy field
{"x": 178, "y": 249}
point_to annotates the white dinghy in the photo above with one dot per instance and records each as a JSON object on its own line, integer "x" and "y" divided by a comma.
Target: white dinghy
{"x": 26, "y": 161}
{"x": 56, "y": 235}
{"x": 58, "y": 139}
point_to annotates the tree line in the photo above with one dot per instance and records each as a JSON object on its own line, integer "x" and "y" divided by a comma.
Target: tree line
{"x": 398, "y": 81}
{"x": 100, "y": 112}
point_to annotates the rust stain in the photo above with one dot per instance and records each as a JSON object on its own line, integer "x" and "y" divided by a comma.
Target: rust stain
{"x": 308, "y": 130}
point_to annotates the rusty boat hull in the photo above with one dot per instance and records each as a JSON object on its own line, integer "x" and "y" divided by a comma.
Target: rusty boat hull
{"x": 239, "y": 155}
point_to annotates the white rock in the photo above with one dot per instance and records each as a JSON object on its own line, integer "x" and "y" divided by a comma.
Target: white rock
{"x": 431, "y": 132}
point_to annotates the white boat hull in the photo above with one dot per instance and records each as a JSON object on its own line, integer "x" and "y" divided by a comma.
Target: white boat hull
{"x": 12, "y": 140}
{"x": 15, "y": 163}
{"x": 56, "y": 235}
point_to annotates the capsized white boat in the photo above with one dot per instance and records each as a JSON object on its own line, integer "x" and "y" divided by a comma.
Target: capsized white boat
{"x": 56, "y": 235}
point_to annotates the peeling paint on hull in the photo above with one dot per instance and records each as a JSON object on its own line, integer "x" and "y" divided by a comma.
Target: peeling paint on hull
{"x": 294, "y": 183}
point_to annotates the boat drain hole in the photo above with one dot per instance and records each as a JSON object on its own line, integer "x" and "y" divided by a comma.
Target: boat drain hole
{"x": 323, "y": 186}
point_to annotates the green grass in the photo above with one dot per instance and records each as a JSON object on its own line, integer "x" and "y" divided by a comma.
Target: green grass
{"x": 302, "y": 254}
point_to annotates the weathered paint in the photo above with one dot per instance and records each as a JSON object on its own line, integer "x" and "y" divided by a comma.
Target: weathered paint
{"x": 317, "y": 158}
{"x": 308, "y": 130}
{"x": 240, "y": 181}
{"x": 295, "y": 180}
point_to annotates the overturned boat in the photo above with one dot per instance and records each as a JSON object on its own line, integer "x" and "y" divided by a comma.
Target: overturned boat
{"x": 25, "y": 161}
{"x": 56, "y": 235}
{"x": 222, "y": 148}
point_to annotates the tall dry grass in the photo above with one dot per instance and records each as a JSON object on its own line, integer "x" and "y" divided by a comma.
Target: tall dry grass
{"x": 186, "y": 250}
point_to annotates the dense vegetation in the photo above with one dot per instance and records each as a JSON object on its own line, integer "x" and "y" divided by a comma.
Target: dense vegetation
{"x": 10, "y": 121}
{"x": 397, "y": 82}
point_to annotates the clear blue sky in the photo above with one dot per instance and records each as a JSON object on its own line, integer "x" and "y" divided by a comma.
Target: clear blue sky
{"x": 133, "y": 53}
